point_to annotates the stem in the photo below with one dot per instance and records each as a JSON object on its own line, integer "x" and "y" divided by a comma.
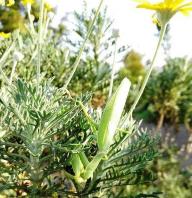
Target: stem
{"x": 2, "y": 60}
{"x": 40, "y": 41}
{"x": 30, "y": 18}
{"x": 160, "y": 121}
{"x": 113, "y": 70}
{"x": 149, "y": 72}
{"x": 4, "y": 77}
{"x": 68, "y": 175}
{"x": 36, "y": 173}
{"x": 47, "y": 21}
{"x": 95, "y": 50}
{"x": 76, "y": 63}
{"x": 13, "y": 71}
{"x": 92, "y": 166}
{"x": 6, "y": 54}
{"x": 91, "y": 122}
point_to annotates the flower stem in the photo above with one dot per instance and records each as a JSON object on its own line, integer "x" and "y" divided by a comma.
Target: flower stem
{"x": 30, "y": 18}
{"x": 162, "y": 32}
{"x": 76, "y": 63}
{"x": 113, "y": 70}
{"x": 40, "y": 41}
{"x": 13, "y": 71}
{"x": 3, "y": 59}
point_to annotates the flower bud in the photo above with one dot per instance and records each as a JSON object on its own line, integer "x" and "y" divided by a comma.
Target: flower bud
{"x": 111, "y": 116}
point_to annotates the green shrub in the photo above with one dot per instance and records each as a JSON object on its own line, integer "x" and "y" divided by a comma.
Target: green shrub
{"x": 166, "y": 91}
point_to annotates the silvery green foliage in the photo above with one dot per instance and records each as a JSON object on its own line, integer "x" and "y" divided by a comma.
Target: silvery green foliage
{"x": 31, "y": 118}
{"x": 41, "y": 127}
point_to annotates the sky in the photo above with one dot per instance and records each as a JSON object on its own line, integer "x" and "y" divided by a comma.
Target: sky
{"x": 136, "y": 27}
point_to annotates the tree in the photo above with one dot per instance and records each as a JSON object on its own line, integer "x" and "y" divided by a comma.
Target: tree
{"x": 133, "y": 67}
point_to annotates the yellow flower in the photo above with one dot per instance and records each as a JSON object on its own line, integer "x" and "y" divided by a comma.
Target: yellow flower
{"x": 48, "y": 6}
{"x": 7, "y": 2}
{"x": 166, "y": 9}
{"x": 10, "y": 3}
{"x": 25, "y": 2}
{"x": 5, "y": 35}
